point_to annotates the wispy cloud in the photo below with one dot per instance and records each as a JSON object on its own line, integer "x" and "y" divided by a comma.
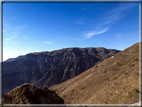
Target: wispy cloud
{"x": 10, "y": 33}
{"x": 25, "y": 37}
{"x": 8, "y": 39}
{"x": 12, "y": 37}
{"x": 86, "y": 7}
{"x": 117, "y": 13}
{"x": 15, "y": 42}
{"x": 126, "y": 36}
{"x": 47, "y": 42}
{"x": 91, "y": 34}
{"x": 110, "y": 18}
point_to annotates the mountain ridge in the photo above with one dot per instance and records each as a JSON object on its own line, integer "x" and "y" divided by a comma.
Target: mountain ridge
{"x": 44, "y": 52}
{"x": 113, "y": 81}
{"x": 48, "y": 68}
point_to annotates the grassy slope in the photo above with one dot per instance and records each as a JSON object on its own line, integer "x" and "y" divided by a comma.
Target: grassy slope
{"x": 113, "y": 81}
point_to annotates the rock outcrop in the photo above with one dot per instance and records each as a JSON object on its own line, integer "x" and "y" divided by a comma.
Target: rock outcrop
{"x": 30, "y": 94}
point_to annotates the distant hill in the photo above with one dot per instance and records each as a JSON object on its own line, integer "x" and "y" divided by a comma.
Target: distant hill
{"x": 50, "y": 68}
{"x": 113, "y": 81}
{"x": 13, "y": 59}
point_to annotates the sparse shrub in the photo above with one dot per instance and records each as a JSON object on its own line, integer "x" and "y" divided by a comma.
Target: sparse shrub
{"x": 137, "y": 90}
{"x": 119, "y": 64}
{"x": 104, "y": 71}
{"x": 115, "y": 78}
{"x": 137, "y": 73}
{"x": 137, "y": 59}
{"x": 133, "y": 65}
{"x": 126, "y": 73}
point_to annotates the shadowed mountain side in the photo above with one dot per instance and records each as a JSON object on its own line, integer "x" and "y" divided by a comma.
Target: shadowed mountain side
{"x": 30, "y": 94}
{"x": 113, "y": 81}
{"x": 49, "y": 68}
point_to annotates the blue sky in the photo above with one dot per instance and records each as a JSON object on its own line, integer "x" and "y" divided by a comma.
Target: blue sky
{"x": 36, "y": 27}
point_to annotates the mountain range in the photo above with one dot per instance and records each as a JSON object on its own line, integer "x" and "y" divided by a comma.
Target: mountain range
{"x": 113, "y": 81}
{"x": 51, "y": 68}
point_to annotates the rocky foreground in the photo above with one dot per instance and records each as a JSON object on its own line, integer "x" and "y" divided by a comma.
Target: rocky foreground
{"x": 30, "y": 94}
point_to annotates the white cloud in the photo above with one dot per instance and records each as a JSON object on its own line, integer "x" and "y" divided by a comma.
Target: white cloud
{"x": 110, "y": 18}
{"x": 8, "y": 39}
{"x": 91, "y": 34}
{"x": 12, "y": 37}
{"x": 122, "y": 7}
{"x": 25, "y": 37}
{"x": 117, "y": 13}
{"x": 47, "y": 42}
{"x": 12, "y": 32}
{"x": 15, "y": 42}
{"x": 127, "y": 36}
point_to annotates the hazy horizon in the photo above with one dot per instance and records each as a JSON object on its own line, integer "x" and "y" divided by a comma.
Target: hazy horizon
{"x": 37, "y": 27}
{"x": 57, "y": 49}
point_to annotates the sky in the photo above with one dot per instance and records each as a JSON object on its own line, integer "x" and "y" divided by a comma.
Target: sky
{"x": 37, "y": 27}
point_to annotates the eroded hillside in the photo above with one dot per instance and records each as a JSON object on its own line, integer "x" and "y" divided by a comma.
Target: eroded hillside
{"x": 113, "y": 81}
{"x": 49, "y": 68}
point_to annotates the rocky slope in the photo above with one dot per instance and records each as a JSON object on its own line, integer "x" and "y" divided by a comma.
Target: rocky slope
{"x": 113, "y": 81}
{"x": 30, "y": 94}
{"x": 49, "y": 68}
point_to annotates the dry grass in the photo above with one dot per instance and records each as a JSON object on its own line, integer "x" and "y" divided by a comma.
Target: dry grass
{"x": 112, "y": 81}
